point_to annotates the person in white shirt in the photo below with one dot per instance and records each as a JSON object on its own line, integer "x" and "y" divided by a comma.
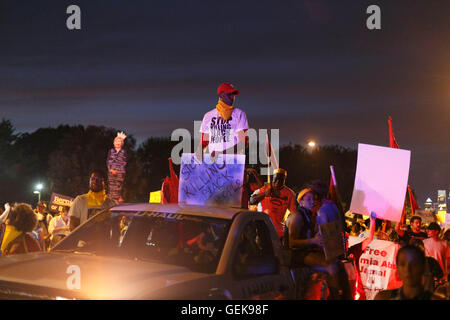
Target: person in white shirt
{"x": 436, "y": 248}
{"x": 224, "y": 129}
{"x": 59, "y": 227}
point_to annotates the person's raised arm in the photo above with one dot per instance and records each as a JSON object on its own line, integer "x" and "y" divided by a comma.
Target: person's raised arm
{"x": 258, "y": 196}
{"x": 204, "y": 142}
{"x": 399, "y": 230}
{"x": 258, "y": 179}
{"x": 369, "y": 239}
{"x": 5, "y": 214}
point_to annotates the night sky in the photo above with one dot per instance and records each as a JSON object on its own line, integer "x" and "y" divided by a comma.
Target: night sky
{"x": 310, "y": 68}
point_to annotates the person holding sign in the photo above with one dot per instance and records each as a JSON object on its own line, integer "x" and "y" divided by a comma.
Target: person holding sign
{"x": 224, "y": 128}
{"x": 302, "y": 237}
{"x": 274, "y": 199}
{"x": 116, "y": 163}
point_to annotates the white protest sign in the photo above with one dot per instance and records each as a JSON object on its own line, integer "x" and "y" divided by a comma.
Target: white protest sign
{"x": 217, "y": 183}
{"x": 377, "y": 267}
{"x": 352, "y": 240}
{"x": 381, "y": 181}
{"x": 447, "y": 219}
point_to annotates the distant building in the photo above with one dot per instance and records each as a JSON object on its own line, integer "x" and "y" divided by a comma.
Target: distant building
{"x": 442, "y": 201}
{"x": 429, "y": 204}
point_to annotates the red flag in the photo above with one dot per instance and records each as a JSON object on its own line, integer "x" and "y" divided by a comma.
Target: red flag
{"x": 412, "y": 201}
{"x": 392, "y": 141}
{"x": 393, "y": 144}
{"x": 333, "y": 192}
{"x": 169, "y": 188}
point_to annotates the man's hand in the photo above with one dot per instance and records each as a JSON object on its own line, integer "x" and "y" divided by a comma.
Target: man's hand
{"x": 269, "y": 190}
{"x": 7, "y": 206}
{"x": 213, "y": 156}
{"x": 317, "y": 240}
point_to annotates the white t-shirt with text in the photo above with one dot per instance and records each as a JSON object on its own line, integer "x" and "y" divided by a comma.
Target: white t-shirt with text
{"x": 223, "y": 134}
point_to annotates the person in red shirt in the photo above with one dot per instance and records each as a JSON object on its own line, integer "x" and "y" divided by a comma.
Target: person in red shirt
{"x": 274, "y": 199}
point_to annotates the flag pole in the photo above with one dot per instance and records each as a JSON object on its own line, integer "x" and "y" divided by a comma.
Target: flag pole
{"x": 341, "y": 212}
{"x": 268, "y": 158}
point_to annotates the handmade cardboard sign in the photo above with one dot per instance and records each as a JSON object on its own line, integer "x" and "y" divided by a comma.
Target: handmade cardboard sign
{"x": 333, "y": 241}
{"x": 381, "y": 181}
{"x": 213, "y": 183}
{"x": 58, "y": 201}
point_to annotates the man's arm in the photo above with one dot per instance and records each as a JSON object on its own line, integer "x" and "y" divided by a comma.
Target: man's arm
{"x": 74, "y": 214}
{"x": 399, "y": 230}
{"x": 204, "y": 142}
{"x": 5, "y": 214}
{"x": 52, "y": 227}
{"x": 295, "y": 227}
{"x": 73, "y": 223}
{"x": 258, "y": 179}
{"x": 301, "y": 243}
{"x": 258, "y": 196}
{"x": 369, "y": 239}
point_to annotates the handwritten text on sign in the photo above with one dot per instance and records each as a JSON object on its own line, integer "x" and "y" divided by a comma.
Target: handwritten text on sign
{"x": 211, "y": 183}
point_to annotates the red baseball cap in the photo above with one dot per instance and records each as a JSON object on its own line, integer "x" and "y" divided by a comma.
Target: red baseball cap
{"x": 227, "y": 88}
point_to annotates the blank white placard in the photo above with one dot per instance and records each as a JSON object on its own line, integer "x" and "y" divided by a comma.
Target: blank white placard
{"x": 381, "y": 181}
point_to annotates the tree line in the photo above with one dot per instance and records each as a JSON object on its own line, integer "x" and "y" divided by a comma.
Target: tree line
{"x": 61, "y": 159}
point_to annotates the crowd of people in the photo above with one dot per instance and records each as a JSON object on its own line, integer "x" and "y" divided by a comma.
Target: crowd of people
{"x": 297, "y": 218}
{"x": 23, "y": 229}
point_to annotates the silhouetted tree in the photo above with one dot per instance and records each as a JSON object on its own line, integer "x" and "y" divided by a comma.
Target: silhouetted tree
{"x": 63, "y": 157}
{"x": 80, "y": 151}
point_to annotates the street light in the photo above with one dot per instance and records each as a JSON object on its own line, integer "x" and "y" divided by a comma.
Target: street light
{"x": 38, "y": 193}
{"x": 312, "y": 144}
{"x": 39, "y": 187}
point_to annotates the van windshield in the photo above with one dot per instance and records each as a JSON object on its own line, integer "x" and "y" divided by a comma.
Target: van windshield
{"x": 194, "y": 242}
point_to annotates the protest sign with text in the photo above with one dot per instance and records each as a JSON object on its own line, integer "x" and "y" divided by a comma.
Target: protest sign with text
{"x": 58, "y": 201}
{"x": 377, "y": 267}
{"x": 214, "y": 183}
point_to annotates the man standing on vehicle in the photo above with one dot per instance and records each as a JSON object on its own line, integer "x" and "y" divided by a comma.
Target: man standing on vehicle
{"x": 86, "y": 205}
{"x": 224, "y": 129}
{"x": 274, "y": 199}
